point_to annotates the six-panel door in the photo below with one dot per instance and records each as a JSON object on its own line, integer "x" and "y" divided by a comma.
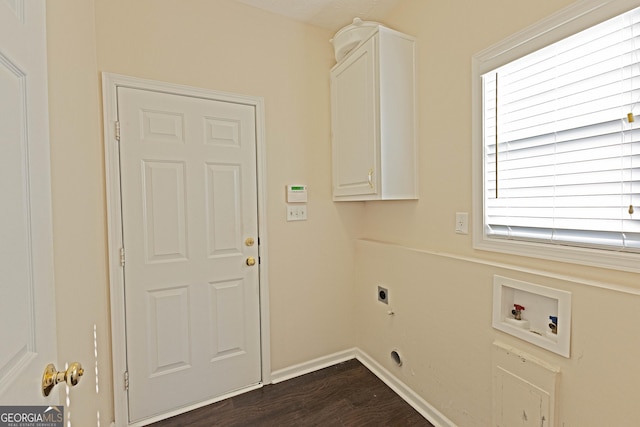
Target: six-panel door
{"x": 189, "y": 206}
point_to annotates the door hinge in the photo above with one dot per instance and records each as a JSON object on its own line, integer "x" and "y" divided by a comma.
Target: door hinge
{"x": 121, "y": 257}
{"x": 117, "y": 131}
{"x": 126, "y": 380}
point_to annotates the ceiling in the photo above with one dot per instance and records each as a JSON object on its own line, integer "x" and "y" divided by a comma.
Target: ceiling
{"x": 328, "y": 14}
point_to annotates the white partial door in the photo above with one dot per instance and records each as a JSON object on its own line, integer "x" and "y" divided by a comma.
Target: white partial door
{"x": 190, "y": 227}
{"x": 27, "y": 302}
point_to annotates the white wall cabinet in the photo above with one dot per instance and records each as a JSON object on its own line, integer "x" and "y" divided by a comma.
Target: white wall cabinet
{"x": 373, "y": 120}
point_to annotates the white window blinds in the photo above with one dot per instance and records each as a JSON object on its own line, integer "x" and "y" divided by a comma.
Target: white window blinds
{"x": 561, "y": 151}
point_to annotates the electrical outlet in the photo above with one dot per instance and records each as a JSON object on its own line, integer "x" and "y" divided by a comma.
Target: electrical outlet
{"x": 383, "y": 295}
{"x": 462, "y": 223}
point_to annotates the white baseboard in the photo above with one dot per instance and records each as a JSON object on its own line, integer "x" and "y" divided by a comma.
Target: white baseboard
{"x": 312, "y": 365}
{"x": 401, "y": 389}
{"x": 434, "y": 416}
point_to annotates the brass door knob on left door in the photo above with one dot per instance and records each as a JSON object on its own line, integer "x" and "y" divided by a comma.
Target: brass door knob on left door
{"x": 51, "y": 377}
{"x": 251, "y": 261}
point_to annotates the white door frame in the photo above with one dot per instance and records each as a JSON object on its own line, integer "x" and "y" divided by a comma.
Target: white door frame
{"x": 110, "y": 83}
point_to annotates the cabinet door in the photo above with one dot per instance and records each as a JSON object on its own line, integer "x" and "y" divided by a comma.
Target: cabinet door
{"x": 354, "y": 118}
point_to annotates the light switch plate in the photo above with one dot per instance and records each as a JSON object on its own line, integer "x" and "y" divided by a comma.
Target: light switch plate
{"x": 296, "y": 212}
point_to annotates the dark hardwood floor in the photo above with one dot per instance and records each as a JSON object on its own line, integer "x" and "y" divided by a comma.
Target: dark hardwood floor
{"x": 347, "y": 394}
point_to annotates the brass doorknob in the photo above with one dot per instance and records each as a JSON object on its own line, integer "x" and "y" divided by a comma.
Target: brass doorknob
{"x": 51, "y": 377}
{"x": 251, "y": 261}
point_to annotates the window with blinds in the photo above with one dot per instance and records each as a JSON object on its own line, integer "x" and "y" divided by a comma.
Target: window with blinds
{"x": 561, "y": 137}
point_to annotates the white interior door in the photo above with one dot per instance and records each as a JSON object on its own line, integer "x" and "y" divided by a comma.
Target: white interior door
{"x": 189, "y": 216}
{"x": 27, "y": 314}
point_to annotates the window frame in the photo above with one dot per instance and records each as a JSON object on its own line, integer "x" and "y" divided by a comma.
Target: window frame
{"x": 566, "y": 22}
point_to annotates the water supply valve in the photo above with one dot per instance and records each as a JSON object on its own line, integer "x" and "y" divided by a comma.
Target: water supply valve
{"x": 517, "y": 311}
{"x": 554, "y": 324}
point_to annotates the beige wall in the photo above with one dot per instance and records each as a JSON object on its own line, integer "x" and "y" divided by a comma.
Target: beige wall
{"x": 442, "y": 330}
{"x": 315, "y": 308}
{"x": 79, "y": 210}
{"x": 442, "y": 325}
{"x": 449, "y": 34}
{"x": 227, "y": 47}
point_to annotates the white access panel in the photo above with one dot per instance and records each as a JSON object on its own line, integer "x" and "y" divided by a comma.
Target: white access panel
{"x": 524, "y": 388}
{"x": 520, "y": 403}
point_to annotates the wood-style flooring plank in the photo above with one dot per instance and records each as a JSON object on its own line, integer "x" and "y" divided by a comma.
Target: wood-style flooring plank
{"x": 346, "y": 394}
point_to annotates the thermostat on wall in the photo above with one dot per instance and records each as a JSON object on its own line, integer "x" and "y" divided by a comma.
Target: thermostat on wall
{"x": 296, "y": 193}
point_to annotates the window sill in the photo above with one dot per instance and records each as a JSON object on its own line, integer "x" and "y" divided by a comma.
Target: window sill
{"x": 589, "y": 257}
